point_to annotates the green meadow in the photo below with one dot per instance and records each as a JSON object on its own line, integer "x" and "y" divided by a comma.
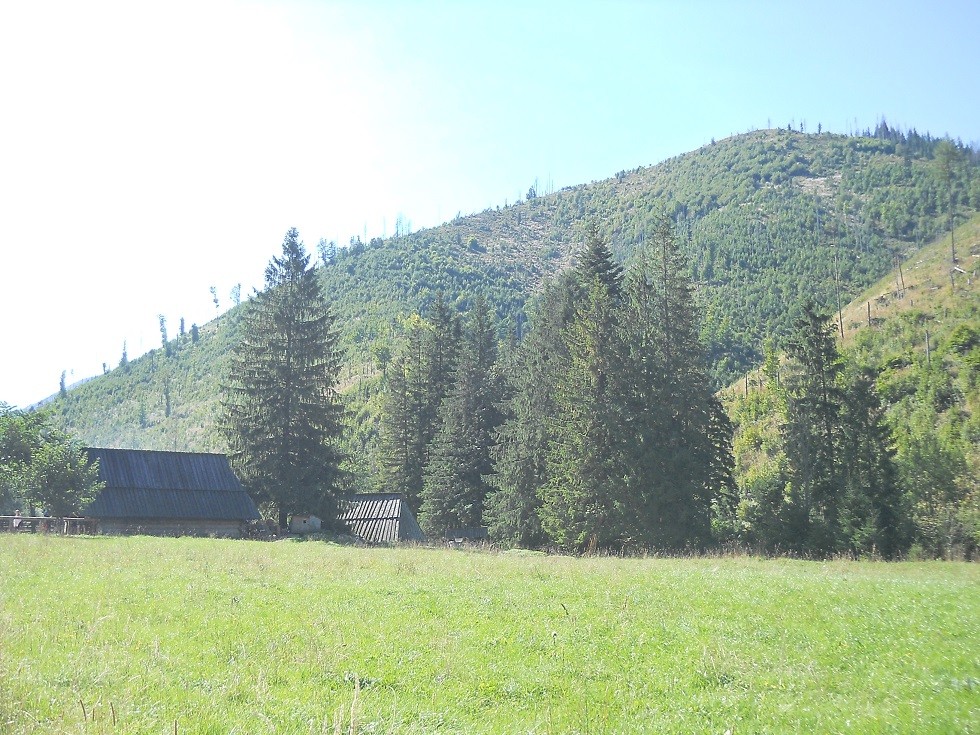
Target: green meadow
{"x": 147, "y": 635}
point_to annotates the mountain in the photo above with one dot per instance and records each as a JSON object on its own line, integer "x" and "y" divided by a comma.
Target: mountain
{"x": 768, "y": 219}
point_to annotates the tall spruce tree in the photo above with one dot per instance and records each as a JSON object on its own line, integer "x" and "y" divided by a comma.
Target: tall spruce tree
{"x": 442, "y": 352}
{"x": 613, "y": 435}
{"x": 533, "y": 369}
{"x": 405, "y": 411}
{"x": 582, "y": 505}
{"x": 520, "y": 454}
{"x": 460, "y": 460}
{"x": 423, "y": 374}
{"x": 283, "y": 415}
{"x": 814, "y": 432}
{"x": 876, "y": 512}
{"x": 677, "y": 439}
{"x": 582, "y": 502}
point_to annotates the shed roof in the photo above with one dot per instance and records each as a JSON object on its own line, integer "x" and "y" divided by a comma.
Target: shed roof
{"x": 168, "y": 485}
{"x": 380, "y": 517}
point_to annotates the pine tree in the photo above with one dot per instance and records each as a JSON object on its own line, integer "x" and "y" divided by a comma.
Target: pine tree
{"x": 283, "y": 414}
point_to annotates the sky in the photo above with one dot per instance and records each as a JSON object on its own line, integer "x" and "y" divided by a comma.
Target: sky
{"x": 150, "y": 151}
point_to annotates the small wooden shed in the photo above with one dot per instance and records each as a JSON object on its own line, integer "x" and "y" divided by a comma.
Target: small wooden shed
{"x": 380, "y": 518}
{"x": 169, "y": 493}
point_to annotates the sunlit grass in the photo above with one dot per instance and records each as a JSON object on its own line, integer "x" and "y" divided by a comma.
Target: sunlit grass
{"x": 133, "y": 635}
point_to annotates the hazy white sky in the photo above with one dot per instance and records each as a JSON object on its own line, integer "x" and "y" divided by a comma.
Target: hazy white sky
{"x": 151, "y": 150}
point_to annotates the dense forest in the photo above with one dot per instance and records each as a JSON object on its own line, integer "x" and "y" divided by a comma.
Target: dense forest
{"x": 760, "y": 225}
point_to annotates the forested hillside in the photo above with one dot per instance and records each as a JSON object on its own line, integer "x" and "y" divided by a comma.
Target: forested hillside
{"x": 906, "y": 373}
{"x": 765, "y": 219}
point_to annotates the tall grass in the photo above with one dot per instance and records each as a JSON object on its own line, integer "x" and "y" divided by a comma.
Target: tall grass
{"x": 143, "y": 635}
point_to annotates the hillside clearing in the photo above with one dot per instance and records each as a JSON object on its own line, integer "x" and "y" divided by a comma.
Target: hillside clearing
{"x": 126, "y": 635}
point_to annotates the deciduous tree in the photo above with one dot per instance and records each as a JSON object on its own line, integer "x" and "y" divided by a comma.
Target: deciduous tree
{"x": 43, "y": 467}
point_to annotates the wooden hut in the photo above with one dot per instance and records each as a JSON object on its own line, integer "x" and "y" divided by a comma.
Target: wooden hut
{"x": 169, "y": 493}
{"x": 380, "y": 518}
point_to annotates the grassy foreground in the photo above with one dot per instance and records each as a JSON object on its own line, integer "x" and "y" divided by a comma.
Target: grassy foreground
{"x": 133, "y": 635}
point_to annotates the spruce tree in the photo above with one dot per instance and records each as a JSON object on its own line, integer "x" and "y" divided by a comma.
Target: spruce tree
{"x": 442, "y": 347}
{"x": 520, "y": 454}
{"x": 934, "y": 469}
{"x": 405, "y": 410}
{"x": 596, "y": 260}
{"x": 875, "y": 507}
{"x": 283, "y": 415}
{"x": 582, "y": 501}
{"x": 421, "y": 376}
{"x": 814, "y": 431}
{"x": 460, "y": 460}
{"x": 677, "y": 439}
{"x": 614, "y": 436}
{"x": 947, "y": 157}
{"x": 533, "y": 369}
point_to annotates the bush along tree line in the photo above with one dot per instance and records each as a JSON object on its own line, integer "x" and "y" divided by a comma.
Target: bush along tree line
{"x": 42, "y": 470}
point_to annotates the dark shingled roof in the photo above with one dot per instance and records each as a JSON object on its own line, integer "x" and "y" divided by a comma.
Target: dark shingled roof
{"x": 168, "y": 485}
{"x": 380, "y": 518}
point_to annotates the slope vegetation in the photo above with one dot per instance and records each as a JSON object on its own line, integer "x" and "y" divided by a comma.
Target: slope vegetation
{"x": 767, "y": 219}
{"x": 917, "y": 330}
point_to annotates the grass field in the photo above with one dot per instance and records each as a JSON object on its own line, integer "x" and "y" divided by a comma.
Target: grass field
{"x": 144, "y": 635}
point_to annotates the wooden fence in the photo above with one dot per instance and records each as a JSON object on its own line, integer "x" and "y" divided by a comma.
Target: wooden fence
{"x": 43, "y": 524}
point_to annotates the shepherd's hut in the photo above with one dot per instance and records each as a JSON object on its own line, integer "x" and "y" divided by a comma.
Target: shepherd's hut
{"x": 380, "y": 518}
{"x": 169, "y": 494}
